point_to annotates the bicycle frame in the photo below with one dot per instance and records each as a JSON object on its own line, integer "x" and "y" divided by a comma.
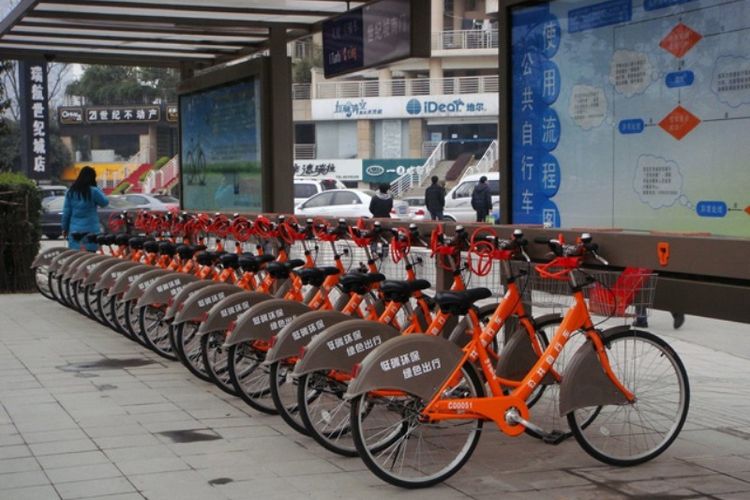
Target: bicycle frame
{"x": 496, "y": 406}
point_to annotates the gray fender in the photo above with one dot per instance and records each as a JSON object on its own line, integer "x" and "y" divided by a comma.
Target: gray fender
{"x": 123, "y": 282}
{"x": 199, "y": 303}
{"x": 300, "y": 331}
{"x": 95, "y": 275}
{"x": 164, "y": 288}
{"x": 221, "y": 315}
{"x": 264, "y": 320}
{"x": 64, "y": 270}
{"x": 75, "y": 267}
{"x": 174, "y": 305}
{"x": 88, "y": 266}
{"x": 57, "y": 261}
{"x": 518, "y": 357}
{"x": 584, "y": 382}
{"x": 45, "y": 258}
{"x": 139, "y": 286}
{"x": 417, "y": 364}
{"x": 343, "y": 345}
{"x": 109, "y": 277}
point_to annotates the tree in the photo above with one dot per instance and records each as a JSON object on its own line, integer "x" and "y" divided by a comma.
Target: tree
{"x": 124, "y": 85}
{"x": 57, "y": 74}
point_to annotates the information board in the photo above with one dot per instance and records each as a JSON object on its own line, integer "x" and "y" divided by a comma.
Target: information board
{"x": 632, "y": 114}
{"x": 377, "y": 33}
{"x": 220, "y": 147}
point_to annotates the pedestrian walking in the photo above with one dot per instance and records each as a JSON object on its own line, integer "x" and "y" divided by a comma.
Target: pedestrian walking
{"x": 434, "y": 199}
{"x": 382, "y": 203}
{"x": 481, "y": 199}
{"x": 79, "y": 210}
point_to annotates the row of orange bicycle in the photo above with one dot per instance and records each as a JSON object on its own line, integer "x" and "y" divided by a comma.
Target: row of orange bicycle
{"x": 298, "y": 319}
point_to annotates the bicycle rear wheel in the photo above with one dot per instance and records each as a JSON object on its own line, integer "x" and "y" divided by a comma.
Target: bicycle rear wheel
{"x": 284, "y": 391}
{"x": 401, "y": 449}
{"x": 187, "y": 345}
{"x": 155, "y": 331}
{"x": 325, "y": 413}
{"x": 42, "y": 281}
{"x": 250, "y": 378}
{"x": 634, "y": 433}
{"x": 216, "y": 361}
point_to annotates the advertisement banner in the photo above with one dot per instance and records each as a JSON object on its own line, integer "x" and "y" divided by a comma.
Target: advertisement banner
{"x": 433, "y": 106}
{"x": 379, "y": 171}
{"x": 343, "y": 170}
{"x": 631, "y": 114}
{"x": 34, "y": 118}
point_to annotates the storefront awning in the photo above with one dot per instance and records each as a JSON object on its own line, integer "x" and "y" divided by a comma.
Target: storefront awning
{"x": 155, "y": 32}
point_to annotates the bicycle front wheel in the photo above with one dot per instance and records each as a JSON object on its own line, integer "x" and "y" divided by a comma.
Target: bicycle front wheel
{"x": 402, "y": 449}
{"x": 634, "y": 433}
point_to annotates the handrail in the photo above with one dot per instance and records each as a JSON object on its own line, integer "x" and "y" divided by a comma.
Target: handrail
{"x": 415, "y": 176}
{"x": 157, "y": 180}
{"x": 486, "y": 162}
{"x": 399, "y": 87}
{"x": 465, "y": 39}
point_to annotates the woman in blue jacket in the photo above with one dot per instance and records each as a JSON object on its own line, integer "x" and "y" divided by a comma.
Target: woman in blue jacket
{"x": 79, "y": 211}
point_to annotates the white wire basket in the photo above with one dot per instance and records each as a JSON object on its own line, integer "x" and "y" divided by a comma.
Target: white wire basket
{"x": 611, "y": 294}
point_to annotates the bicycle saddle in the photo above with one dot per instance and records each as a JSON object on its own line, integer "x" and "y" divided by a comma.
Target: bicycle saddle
{"x": 206, "y": 258}
{"x": 401, "y": 291}
{"x": 167, "y": 248}
{"x": 185, "y": 251}
{"x": 122, "y": 239}
{"x": 460, "y": 302}
{"x": 229, "y": 260}
{"x": 359, "y": 283}
{"x": 151, "y": 246}
{"x": 315, "y": 276}
{"x": 91, "y": 238}
{"x": 136, "y": 243}
{"x": 77, "y": 236}
{"x": 281, "y": 270}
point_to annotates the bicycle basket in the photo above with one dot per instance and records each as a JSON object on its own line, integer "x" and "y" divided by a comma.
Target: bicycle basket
{"x": 623, "y": 295}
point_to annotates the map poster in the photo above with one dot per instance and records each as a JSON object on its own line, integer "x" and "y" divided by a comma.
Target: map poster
{"x": 632, "y": 114}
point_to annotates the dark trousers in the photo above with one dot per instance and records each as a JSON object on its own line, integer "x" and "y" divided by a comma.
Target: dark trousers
{"x": 481, "y": 216}
{"x": 436, "y": 215}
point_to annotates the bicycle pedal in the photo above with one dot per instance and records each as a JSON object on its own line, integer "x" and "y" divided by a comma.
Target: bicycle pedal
{"x": 555, "y": 437}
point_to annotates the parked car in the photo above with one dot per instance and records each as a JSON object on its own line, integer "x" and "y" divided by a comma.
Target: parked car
{"x": 346, "y": 203}
{"x": 52, "y": 191}
{"x": 150, "y": 202}
{"x": 304, "y": 187}
{"x": 52, "y": 210}
{"x": 458, "y": 199}
{"x": 167, "y": 199}
{"x": 418, "y": 211}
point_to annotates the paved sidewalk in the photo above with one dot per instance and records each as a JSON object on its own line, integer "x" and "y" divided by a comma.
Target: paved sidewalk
{"x": 86, "y": 413}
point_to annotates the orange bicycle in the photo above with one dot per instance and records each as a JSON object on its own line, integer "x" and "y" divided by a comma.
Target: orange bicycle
{"x": 417, "y": 423}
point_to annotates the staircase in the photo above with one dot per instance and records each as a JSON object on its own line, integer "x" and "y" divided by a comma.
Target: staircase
{"x": 163, "y": 179}
{"x": 441, "y": 169}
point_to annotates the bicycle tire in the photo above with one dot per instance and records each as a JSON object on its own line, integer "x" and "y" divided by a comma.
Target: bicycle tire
{"x": 668, "y": 407}
{"x": 200, "y": 167}
{"x": 155, "y": 331}
{"x": 216, "y": 361}
{"x": 52, "y": 284}
{"x": 190, "y": 168}
{"x": 42, "y": 281}
{"x": 117, "y": 313}
{"x": 131, "y": 323}
{"x": 250, "y": 377}
{"x": 407, "y": 426}
{"x": 327, "y": 416}
{"x": 284, "y": 393}
{"x": 105, "y": 309}
{"x": 188, "y": 348}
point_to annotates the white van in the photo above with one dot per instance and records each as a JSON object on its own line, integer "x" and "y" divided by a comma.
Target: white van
{"x": 458, "y": 199}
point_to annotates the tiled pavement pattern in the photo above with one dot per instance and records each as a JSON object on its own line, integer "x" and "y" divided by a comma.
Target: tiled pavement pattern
{"x": 86, "y": 413}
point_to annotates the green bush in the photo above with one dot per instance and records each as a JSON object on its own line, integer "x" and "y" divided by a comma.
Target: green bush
{"x": 161, "y": 162}
{"x": 20, "y": 209}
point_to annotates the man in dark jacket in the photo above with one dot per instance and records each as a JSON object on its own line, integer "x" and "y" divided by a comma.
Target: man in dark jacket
{"x": 481, "y": 199}
{"x": 382, "y": 203}
{"x": 434, "y": 199}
